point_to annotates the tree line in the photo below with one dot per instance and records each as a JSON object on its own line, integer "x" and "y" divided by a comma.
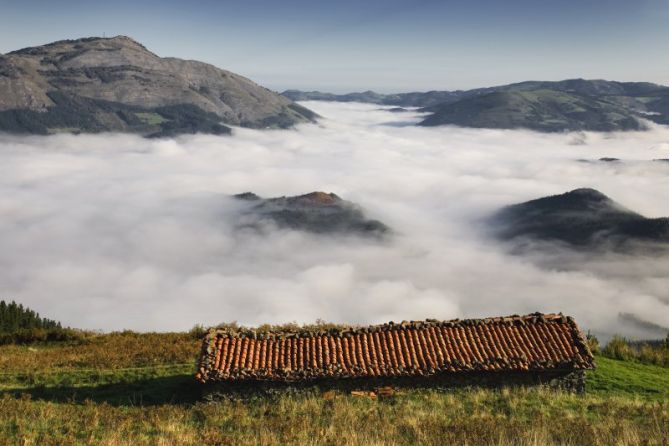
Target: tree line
{"x": 15, "y": 317}
{"x": 21, "y": 325}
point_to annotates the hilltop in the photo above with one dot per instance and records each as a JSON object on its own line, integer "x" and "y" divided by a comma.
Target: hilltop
{"x": 116, "y": 84}
{"x": 316, "y": 212}
{"x": 583, "y": 218}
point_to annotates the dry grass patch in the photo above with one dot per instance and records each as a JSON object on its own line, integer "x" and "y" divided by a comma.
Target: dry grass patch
{"x": 519, "y": 417}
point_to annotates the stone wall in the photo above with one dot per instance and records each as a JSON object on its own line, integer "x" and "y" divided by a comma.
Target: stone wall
{"x": 567, "y": 380}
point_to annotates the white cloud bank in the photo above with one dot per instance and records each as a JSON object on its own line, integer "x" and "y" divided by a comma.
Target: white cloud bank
{"x": 116, "y": 231}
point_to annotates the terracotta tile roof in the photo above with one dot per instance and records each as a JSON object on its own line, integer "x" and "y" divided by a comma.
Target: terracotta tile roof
{"x": 516, "y": 343}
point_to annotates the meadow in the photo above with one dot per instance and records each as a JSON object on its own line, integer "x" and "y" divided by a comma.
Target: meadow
{"x": 128, "y": 388}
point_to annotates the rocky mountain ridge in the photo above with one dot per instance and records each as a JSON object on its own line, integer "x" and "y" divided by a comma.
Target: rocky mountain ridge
{"x": 117, "y": 84}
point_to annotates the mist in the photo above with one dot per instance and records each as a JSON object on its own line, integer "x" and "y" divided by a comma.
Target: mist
{"x": 119, "y": 232}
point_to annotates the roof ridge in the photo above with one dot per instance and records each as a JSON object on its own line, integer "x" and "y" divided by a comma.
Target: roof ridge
{"x": 345, "y": 331}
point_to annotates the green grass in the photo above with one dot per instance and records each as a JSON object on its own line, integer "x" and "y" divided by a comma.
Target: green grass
{"x": 88, "y": 377}
{"x": 175, "y": 383}
{"x": 128, "y": 388}
{"x": 508, "y": 417}
{"x": 629, "y": 379}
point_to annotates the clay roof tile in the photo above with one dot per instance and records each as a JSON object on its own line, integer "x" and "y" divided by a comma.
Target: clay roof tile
{"x": 538, "y": 342}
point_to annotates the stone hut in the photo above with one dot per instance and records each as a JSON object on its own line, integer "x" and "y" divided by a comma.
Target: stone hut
{"x": 536, "y": 349}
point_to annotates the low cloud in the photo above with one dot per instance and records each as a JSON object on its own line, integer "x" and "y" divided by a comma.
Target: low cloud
{"x": 115, "y": 231}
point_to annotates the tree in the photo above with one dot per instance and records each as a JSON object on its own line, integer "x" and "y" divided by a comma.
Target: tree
{"x": 14, "y": 317}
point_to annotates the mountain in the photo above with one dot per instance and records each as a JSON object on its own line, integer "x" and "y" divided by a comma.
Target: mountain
{"x": 573, "y": 104}
{"x": 540, "y": 110}
{"x": 582, "y": 218}
{"x": 317, "y": 212}
{"x": 116, "y": 84}
{"x": 366, "y": 96}
{"x": 414, "y": 99}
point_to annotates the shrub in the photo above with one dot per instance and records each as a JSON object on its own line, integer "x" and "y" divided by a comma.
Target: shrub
{"x": 593, "y": 343}
{"x": 198, "y": 331}
{"x": 33, "y": 335}
{"x": 650, "y": 352}
{"x": 618, "y": 348}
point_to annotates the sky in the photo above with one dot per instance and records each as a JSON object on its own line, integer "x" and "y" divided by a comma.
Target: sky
{"x": 387, "y": 46}
{"x": 117, "y": 231}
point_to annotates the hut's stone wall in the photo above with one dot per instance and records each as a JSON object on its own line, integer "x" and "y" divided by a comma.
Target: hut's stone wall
{"x": 567, "y": 380}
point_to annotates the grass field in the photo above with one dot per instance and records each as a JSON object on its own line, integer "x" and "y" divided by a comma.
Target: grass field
{"x": 125, "y": 389}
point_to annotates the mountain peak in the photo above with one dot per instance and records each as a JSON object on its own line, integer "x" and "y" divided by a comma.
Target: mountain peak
{"x": 318, "y": 197}
{"x": 95, "y": 84}
{"x": 578, "y": 200}
{"x": 121, "y": 37}
{"x": 82, "y": 43}
{"x": 587, "y": 193}
{"x": 123, "y": 41}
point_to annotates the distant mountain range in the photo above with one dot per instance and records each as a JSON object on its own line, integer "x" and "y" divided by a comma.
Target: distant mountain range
{"x": 317, "y": 212}
{"x": 416, "y": 99}
{"x": 582, "y": 218}
{"x": 116, "y": 84}
{"x": 570, "y": 105}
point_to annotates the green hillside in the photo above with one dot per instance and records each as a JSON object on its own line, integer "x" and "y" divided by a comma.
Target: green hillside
{"x": 541, "y": 110}
{"x": 128, "y": 388}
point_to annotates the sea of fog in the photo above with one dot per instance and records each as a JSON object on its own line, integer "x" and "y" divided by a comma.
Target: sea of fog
{"x": 116, "y": 231}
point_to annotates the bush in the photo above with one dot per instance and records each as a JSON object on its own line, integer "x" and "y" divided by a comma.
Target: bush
{"x": 33, "y": 335}
{"x": 198, "y": 331}
{"x": 593, "y": 343}
{"x": 649, "y": 353}
{"x": 654, "y": 355}
{"x": 618, "y": 348}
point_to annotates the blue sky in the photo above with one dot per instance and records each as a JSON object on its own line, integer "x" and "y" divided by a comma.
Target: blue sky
{"x": 387, "y": 46}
